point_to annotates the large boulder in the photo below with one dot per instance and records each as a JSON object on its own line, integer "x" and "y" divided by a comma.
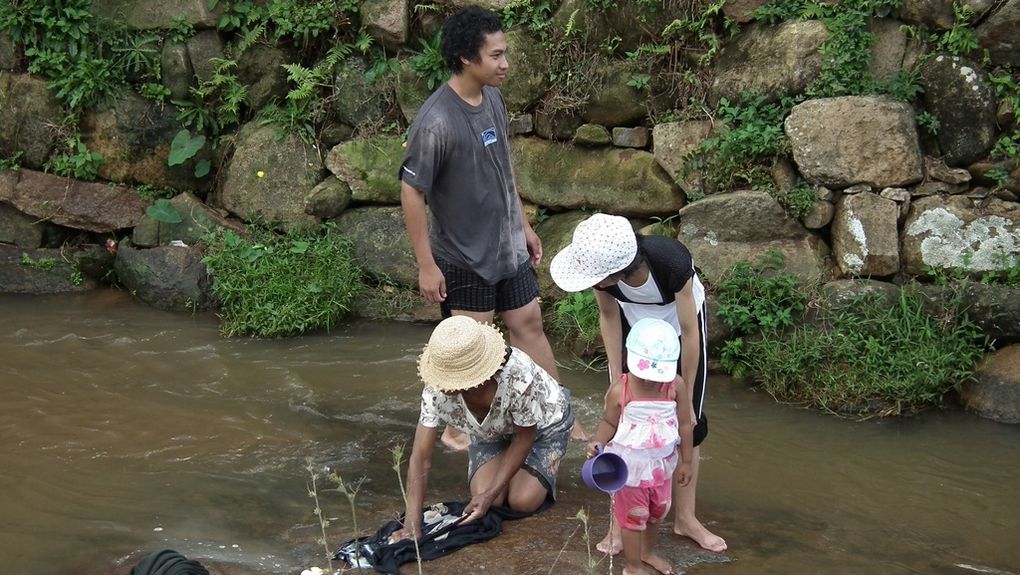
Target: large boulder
{"x": 19, "y": 229}
{"x": 370, "y": 167}
{"x": 197, "y": 221}
{"x": 169, "y": 278}
{"x": 671, "y": 142}
{"x": 388, "y": 21}
{"x": 620, "y": 181}
{"x": 269, "y": 177}
{"x": 98, "y": 208}
{"x": 363, "y": 100}
{"x": 328, "y": 199}
{"x": 27, "y": 110}
{"x": 951, "y": 232}
{"x": 556, "y": 232}
{"x": 958, "y": 94}
{"x": 994, "y": 392}
{"x": 39, "y": 271}
{"x": 994, "y": 308}
{"x": 724, "y": 229}
{"x": 528, "y": 78}
{"x": 381, "y": 245}
{"x": 769, "y": 60}
{"x": 998, "y": 35}
{"x": 839, "y": 142}
{"x": 143, "y": 14}
{"x": 134, "y": 135}
{"x": 411, "y": 91}
{"x": 865, "y": 241}
{"x": 614, "y": 102}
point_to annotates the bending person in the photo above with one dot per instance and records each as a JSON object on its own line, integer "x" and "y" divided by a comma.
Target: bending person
{"x": 517, "y": 417}
{"x": 638, "y": 277}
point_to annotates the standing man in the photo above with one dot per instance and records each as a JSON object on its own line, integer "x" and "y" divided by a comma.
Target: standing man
{"x": 476, "y": 257}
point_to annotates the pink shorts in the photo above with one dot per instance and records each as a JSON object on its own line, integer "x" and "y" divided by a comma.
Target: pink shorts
{"x": 635, "y": 507}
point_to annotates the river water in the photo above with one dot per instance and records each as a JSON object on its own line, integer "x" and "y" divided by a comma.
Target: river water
{"x": 124, "y": 429}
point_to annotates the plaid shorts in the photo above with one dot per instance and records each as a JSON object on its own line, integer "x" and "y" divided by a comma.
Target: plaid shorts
{"x": 467, "y": 291}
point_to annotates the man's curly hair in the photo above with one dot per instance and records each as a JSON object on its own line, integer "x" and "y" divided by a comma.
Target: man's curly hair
{"x": 463, "y": 36}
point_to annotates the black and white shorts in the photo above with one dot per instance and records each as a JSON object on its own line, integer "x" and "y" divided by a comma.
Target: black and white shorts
{"x": 467, "y": 291}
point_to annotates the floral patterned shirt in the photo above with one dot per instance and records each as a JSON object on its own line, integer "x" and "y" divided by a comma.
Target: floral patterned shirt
{"x": 526, "y": 396}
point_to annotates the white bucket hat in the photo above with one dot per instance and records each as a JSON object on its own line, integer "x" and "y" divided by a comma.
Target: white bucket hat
{"x": 461, "y": 353}
{"x": 602, "y": 245}
{"x": 653, "y": 348}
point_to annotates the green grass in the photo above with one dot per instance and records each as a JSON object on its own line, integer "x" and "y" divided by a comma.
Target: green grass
{"x": 575, "y": 319}
{"x": 272, "y": 285}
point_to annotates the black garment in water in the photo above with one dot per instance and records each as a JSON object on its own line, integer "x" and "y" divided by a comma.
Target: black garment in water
{"x": 168, "y": 562}
{"x": 442, "y": 530}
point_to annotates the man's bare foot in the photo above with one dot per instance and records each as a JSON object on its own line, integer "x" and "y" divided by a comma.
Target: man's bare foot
{"x": 578, "y": 433}
{"x": 455, "y": 439}
{"x": 695, "y": 530}
{"x": 617, "y": 537}
{"x": 658, "y": 563}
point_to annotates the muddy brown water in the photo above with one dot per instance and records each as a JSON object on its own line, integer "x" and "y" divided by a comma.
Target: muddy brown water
{"x": 125, "y": 429}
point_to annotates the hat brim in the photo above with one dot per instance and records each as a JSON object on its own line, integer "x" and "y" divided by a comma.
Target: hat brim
{"x": 446, "y": 380}
{"x": 569, "y": 277}
{"x": 651, "y": 370}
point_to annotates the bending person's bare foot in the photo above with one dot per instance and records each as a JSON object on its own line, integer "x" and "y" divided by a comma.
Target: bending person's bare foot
{"x": 695, "y": 530}
{"x": 455, "y": 439}
{"x": 578, "y": 433}
{"x": 658, "y": 563}
{"x": 617, "y": 542}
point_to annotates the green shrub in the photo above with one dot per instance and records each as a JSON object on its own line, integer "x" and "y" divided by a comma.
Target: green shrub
{"x": 575, "y": 318}
{"x": 865, "y": 357}
{"x": 760, "y": 296}
{"x": 271, "y": 285}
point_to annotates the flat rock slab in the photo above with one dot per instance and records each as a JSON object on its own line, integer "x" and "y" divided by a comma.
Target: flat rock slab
{"x": 100, "y": 208}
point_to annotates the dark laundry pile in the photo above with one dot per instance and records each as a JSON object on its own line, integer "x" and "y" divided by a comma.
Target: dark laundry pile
{"x": 443, "y": 533}
{"x": 168, "y": 562}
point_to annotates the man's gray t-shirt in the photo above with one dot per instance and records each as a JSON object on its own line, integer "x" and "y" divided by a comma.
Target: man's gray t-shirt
{"x": 458, "y": 155}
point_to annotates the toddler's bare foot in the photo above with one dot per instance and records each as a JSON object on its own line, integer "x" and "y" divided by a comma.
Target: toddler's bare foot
{"x": 695, "y": 530}
{"x": 455, "y": 439}
{"x": 658, "y": 563}
{"x": 604, "y": 547}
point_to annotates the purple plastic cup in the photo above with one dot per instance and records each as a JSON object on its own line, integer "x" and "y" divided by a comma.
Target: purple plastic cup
{"x": 606, "y": 472}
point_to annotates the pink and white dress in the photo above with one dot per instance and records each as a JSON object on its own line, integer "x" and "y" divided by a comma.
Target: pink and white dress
{"x": 647, "y": 436}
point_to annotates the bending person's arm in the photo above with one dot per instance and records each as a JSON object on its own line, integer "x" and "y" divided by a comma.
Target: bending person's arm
{"x": 418, "y": 468}
{"x": 690, "y": 340}
{"x": 511, "y": 462}
{"x": 611, "y": 328}
{"x": 431, "y": 282}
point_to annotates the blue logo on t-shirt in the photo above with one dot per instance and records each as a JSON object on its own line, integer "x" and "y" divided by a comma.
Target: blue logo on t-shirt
{"x": 489, "y": 136}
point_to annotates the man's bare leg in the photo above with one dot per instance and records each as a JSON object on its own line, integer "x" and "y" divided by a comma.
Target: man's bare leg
{"x": 524, "y": 326}
{"x": 684, "y": 521}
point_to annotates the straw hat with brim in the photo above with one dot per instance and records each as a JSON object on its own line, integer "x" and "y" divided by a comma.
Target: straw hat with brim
{"x": 601, "y": 246}
{"x": 462, "y": 353}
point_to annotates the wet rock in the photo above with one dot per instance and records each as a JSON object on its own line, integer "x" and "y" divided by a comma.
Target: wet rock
{"x": 203, "y": 48}
{"x": 175, "y": 65}
{"x": 556, "y": 232}
{"x": 39, "y": 271}
{"x": 363, "y": 100}
{"x": 995, "y": 391}
{"x": 388, "y": 21}
{"x": 27, "y": 109}
{"x": 671, "y": 142}
{"x": 592, "y": 135}
{"x": 630, "y": 137}
{"x": 197, "y": 220}
{"x": 411, "y": 91}
{"x": 528, "y": 78}
{"x": 851, "y": 140}
{"x": 619, "y": 181}
{"x": 864, "y": 236}
{"x": 83, "y": 206}
{"x": 168, "y": 278}
{"x": 381, "y": 245}
{"x": 143, "y": 14}
{"x": 724, "y": 229}
{"x": 773, "y": 60}
{"x": 328, "y": 199}
{"x": 19, "y": 229}
{"x": 994, "y": 308}
{"x": 370, "y": 167}
{"x": 270, "y": 177}
{"x": 615, "y": 103}
{"x": 260, "y": 68}
{"x": 948, "y": 233}
{"x": 958, "y": 94}
{"x": 556, "y": 124}
{"x": 997, "y": 34}
{"x": 134, "y": 137}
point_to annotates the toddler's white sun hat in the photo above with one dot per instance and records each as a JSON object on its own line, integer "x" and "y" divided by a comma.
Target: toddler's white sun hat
{"x": 602, "y": 245}
{"x": 653, "y": 348}
{"x": 461, "y": 353}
